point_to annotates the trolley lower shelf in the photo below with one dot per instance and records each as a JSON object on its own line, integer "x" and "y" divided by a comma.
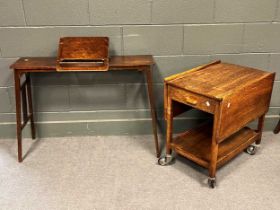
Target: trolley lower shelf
{"x": 195, "y": 144}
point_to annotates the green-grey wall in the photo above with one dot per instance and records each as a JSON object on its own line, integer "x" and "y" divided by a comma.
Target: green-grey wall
{"x": 180, "y": 34}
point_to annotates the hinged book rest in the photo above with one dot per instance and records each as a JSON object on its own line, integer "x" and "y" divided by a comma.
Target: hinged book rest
{"x": 83, "y": 54}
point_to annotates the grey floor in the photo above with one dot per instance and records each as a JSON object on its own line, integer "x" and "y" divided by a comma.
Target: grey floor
{"x": 120, "y": 172}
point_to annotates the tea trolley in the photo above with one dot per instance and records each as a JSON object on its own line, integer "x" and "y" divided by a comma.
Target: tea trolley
{"x": 234, "y": 95}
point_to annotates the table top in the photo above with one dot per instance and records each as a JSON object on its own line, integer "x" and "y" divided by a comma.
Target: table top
{"x": 115, "y": 63}
{"x": 218, "y": 79}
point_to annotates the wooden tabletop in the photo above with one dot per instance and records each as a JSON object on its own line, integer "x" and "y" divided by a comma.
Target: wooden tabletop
{"x": 217, "y": 80}
{"x": 115, "y": 63}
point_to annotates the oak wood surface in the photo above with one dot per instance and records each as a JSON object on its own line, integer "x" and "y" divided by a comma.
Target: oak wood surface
{"x": 245, "y": 105}
{"x": 83, "y": 54}
{"x": 26, "y": 65}
{"x": 83, "y": 48}
{"x": 218, "y": 80}
{"x": 195, "y": 144}
{"x": 234, "y": 95}
{"x": 194, "y": 100}
{"x": 115, "y": 63}
{"x": 182, "y": 74}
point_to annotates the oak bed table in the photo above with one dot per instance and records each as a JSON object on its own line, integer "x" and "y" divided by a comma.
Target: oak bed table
{"x": 234, "y": 96}
{"x": 25, "y": 66}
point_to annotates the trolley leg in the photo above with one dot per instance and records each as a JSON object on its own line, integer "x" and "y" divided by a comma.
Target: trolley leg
{"x": 30, "y": 107}
{"x": 277, "y": 128}
{"x": 17, "y": 76}
{"x": 214, "y": 149}
{"x": 169, "y": 129}
{"x": 260, "y": 128}
{"x": 152, "y": 107}
{"x": 213, "y": 164}
{"x": 167, "y": 159}
{"x": 251, "y": 149}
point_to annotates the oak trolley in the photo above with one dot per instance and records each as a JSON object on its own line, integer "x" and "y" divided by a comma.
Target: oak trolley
{"x": 234, "y": 95}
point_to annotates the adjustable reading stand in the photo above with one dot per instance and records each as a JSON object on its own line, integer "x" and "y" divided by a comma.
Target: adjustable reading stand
{"x": 83, "y": 54}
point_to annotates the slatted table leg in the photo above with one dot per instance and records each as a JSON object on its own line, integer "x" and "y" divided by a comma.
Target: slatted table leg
{"x": 17, "y": 76}
{"x": 152, "y": 107}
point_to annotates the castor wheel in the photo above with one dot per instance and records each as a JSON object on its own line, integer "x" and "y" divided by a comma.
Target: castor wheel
{"x": 251, "y": 150}
{"x": 211, "y": 182}
{"x": 166, "y": 160}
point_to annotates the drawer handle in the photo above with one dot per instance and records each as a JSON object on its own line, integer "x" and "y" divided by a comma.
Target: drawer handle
{"x": 191, "y": 101}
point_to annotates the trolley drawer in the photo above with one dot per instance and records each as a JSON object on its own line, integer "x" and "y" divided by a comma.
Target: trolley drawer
{"x": 194, "y": 100}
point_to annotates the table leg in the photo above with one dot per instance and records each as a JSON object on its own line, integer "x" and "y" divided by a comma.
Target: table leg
{"x": 214, "y": 149}
{"x": 169, "y": 126}
{"x": 168, "y": 113}
{"x": 148, "y": 74}
{"x": 277, "y": 128}
{"x": 17, "y": 76}
{"x": 213, "y": 160}
{"x": 260, "y": 128}
{"x": 168, "y": 116}
{"x": 30, "y": 107}
{"x": 24, "y": 102}
{"x": 213, "y": 164}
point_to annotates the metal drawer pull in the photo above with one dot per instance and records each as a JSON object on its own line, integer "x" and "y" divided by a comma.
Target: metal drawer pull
{"x": 207, "y": 103}
{"x": 191, "y": 101}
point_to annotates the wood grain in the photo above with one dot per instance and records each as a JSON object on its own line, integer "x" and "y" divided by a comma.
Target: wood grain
{"x": 195, "y": 144}
{"x": 234, "y": 95}
{"x": 194, "y": 100}
{"x": 245, "y": 105}
{"x": 27, "y": 65}
{"x": 48, "y": 64}
{"x": 83, "y": 54}
{"x": 219, "y": 80}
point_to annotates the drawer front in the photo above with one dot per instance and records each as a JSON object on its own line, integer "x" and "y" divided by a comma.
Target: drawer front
{"x": 194, "y": 100}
